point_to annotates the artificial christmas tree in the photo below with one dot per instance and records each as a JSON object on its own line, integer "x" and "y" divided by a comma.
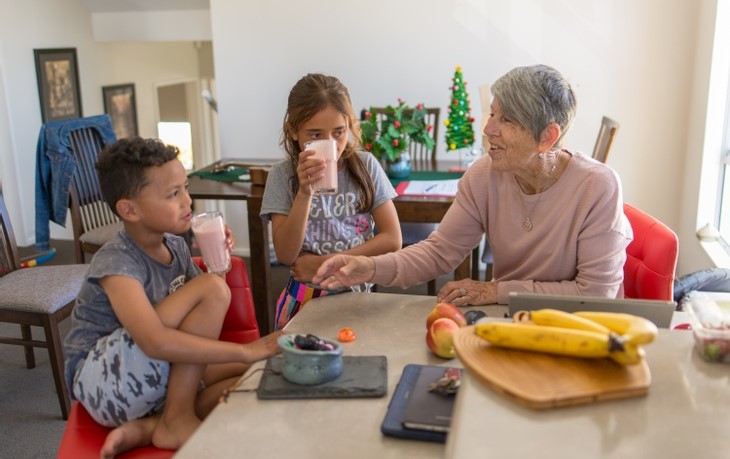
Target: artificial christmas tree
{"x": 459, "y": 130}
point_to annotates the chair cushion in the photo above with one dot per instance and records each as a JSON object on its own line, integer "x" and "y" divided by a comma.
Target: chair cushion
{"x": 100, "y": 236}
{"x": 240, "y": 325}
{"x": 42, "y": 289}
{"x": 83, "y": 439}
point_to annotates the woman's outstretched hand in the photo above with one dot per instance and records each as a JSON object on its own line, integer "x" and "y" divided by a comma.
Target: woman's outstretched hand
{"x": 344, "y": 271}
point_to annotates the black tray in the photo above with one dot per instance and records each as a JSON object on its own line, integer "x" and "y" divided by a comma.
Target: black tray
{"x": 362, "y": 376}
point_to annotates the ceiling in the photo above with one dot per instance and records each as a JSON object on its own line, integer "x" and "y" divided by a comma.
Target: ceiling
{"x": 109, "y": 6}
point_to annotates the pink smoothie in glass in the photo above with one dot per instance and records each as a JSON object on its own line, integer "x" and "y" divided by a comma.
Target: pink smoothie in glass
{"x": 210, "y": 235}
{"x": 327, "y": 150}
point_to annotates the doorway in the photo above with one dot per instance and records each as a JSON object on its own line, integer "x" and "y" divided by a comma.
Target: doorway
{"x": 186, "y": 120}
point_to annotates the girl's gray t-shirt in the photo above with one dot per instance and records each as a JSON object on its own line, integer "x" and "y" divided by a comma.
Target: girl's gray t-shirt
{"x": 334, "y": 224}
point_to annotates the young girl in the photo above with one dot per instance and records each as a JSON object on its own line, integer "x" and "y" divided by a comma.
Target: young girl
{"x": 307, "y": 229}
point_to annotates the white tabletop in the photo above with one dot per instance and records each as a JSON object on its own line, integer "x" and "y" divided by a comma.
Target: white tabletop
{"x": 685, "y": 415}
{"x": 485, "y": 425}
{"x": 386, "y": 324}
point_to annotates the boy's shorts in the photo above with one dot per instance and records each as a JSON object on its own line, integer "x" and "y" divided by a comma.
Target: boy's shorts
{"x": 117, "y": 382}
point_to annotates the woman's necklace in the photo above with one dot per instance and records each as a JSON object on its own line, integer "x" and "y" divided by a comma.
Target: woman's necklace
{"x": 527, "y": 223}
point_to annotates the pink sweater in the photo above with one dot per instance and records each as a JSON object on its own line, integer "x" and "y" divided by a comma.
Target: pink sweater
{"x": 577, "y": 245}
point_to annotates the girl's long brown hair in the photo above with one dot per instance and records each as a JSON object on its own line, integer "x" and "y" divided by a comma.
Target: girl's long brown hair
{"x": 310, "y": 95}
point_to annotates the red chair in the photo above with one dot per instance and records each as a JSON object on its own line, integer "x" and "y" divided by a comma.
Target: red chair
{"x": 651, "y": 258}
{"x": 83, "y": 437}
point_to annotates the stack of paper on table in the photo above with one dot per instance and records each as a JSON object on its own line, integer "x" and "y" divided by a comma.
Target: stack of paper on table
{"x": 427, "y": 188}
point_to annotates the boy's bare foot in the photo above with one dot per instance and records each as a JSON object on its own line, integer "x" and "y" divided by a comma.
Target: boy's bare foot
{"x": 129, "y": 435}
{"x": 172, "y": 432}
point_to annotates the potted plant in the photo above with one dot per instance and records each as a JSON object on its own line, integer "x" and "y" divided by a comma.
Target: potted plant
{"x": 387, "y": 132}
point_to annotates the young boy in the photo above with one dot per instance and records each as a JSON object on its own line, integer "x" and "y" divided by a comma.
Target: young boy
{"x": 145, "y": 326}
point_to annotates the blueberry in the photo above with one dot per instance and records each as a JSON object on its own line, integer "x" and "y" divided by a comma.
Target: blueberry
{"x": 473, "y": 315}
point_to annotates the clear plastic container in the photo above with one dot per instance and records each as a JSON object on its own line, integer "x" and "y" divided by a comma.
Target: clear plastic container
{"x": 709, "y": 315}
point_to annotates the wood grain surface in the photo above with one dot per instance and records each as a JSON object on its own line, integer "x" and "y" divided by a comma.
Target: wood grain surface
{"x": 540, "y": 381}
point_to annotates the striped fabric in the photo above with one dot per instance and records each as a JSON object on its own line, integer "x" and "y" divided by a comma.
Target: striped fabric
{"x": 292, "y": 299}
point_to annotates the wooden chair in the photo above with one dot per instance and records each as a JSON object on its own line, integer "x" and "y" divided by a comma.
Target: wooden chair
{"x": 93, "y": 221}
{"x": 41, "y": 296}
{"x": 605, "y": 139}
{"x": 83, "y": 437}
{"x": 415, "y": 232}
{"x": 651, "y": 258}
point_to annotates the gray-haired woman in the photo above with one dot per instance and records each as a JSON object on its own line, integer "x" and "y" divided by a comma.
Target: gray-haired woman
{"x": 554, "y": 218}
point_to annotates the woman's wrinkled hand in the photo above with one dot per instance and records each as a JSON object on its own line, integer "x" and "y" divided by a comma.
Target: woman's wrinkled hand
{"x": 344, "y": 271}
{"x": 468, "y": 292}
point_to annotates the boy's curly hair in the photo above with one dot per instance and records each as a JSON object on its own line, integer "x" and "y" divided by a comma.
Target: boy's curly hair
{"x": 122, "y": 166}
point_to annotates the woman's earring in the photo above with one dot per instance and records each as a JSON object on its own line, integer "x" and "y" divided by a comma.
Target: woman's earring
{"x": 541, "y": 155}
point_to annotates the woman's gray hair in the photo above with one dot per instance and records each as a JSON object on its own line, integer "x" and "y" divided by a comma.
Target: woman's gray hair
{"x": 536, "y": 96}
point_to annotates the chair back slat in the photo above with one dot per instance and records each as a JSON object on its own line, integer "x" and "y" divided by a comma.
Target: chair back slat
{"x": 86, "y": 143}
{"x": 419, "y": 151}
{"x": 8, "y": 249}
{"x": 605, "y": 138}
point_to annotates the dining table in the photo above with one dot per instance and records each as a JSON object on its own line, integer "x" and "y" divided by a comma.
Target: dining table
{"x": 385, "y": 324}
{"x": 684, "y": 414}
{"x": 203, "y": 185}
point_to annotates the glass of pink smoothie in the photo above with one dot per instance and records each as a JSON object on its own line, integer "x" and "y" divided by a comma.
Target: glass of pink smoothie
{"x": 210, "y": 235}
{"x": 327, "y": 150}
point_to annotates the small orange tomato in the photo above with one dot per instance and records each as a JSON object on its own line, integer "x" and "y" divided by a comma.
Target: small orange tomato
{"x": 346, "y": 335}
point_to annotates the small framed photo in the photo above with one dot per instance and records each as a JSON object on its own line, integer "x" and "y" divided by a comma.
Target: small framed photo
{"x": 120, "y": 104}
{"x": 57, "y": 72}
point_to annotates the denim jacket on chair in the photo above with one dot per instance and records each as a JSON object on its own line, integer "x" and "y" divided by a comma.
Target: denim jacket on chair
{"x": 55, "y": 166}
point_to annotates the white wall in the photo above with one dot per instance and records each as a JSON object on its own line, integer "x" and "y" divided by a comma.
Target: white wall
{"x": 633, "y": 61}
{"x": 643, "y": 63}
{"x": 148, "y": 65}
{"x": 68, "y": 24}
{"x": 23, "y": 27}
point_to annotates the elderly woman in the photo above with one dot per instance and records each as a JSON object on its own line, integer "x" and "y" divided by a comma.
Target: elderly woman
{"x": 554, "y": 218}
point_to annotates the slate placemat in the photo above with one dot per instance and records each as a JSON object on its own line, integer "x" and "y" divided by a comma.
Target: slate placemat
{"x": 362, "y": 376}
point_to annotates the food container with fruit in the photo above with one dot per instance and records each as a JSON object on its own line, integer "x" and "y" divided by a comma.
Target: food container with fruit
{"x": 709, "y": 316}
{"x": 310, "y": 360}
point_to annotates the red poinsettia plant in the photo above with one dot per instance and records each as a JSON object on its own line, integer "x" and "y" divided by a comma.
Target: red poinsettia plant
{"x": 386, "y": 134}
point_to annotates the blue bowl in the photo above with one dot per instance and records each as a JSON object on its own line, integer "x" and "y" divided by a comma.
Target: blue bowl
{"x": 309, "y": 367}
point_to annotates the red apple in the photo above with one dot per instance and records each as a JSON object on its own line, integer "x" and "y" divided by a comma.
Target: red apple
{"x": 440, "y": 337}
{"x": 446, "y": 310}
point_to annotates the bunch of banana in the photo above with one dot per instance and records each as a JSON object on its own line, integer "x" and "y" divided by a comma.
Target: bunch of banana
{"x": 583, "y": 334}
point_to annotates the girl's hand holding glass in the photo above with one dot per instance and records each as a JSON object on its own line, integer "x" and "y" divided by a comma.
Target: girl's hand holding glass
{"x": 309, "y": 171}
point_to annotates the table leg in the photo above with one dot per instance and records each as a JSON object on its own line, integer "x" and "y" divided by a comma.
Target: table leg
{"x": 258, "y": 236}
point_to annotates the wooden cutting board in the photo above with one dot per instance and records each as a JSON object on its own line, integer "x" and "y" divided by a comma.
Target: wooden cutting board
{"x": 539, "y": 381}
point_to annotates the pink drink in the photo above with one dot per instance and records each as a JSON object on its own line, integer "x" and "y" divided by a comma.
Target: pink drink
{"x": 210, "y": 234}
{"x": 327, "y": 150}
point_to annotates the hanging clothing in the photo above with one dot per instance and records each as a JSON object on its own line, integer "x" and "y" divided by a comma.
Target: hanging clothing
{"x": 55, "y": 166}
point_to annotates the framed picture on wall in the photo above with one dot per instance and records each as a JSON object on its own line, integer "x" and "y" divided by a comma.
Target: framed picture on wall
{"x": 120, "y": 104}
{"x": 58, "y": 83}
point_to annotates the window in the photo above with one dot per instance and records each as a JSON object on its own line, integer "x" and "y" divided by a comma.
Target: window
{"x": 723, "y": 201}
{"x": 722, "y": 210}
{"x": 180, "y": 135}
